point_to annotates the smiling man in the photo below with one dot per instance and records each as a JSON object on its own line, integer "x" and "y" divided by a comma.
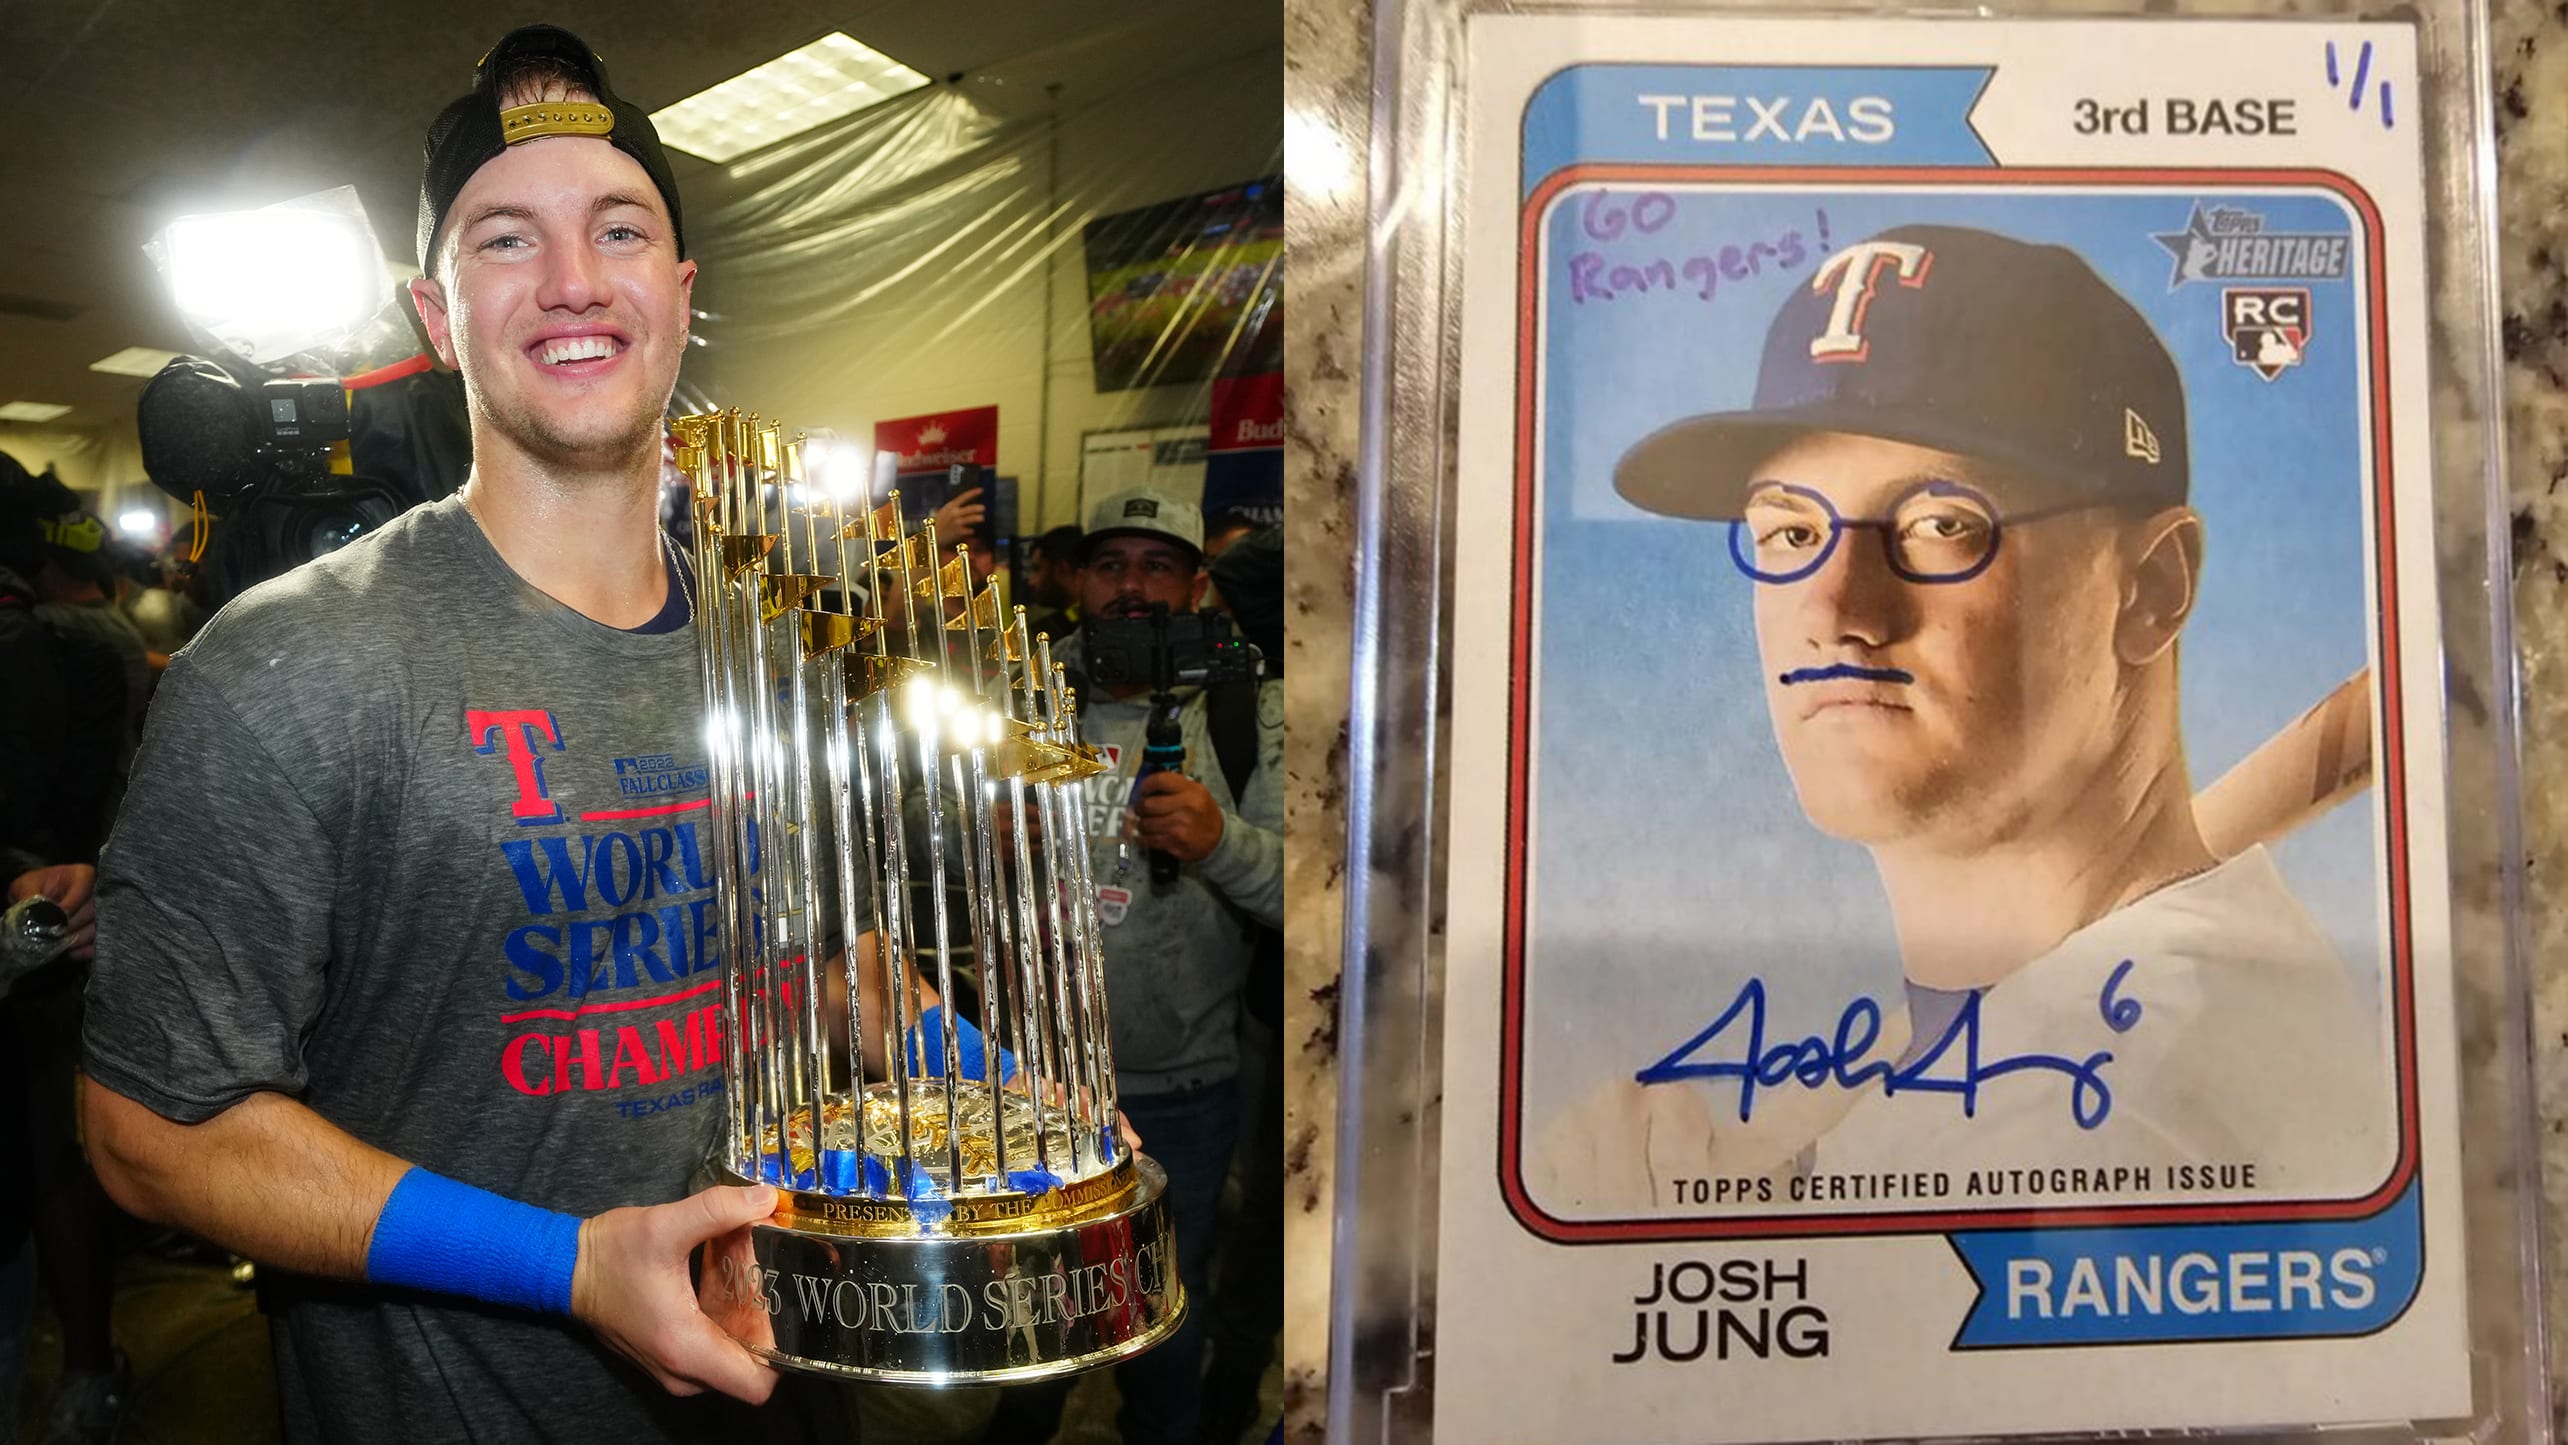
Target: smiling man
{"x": 399, "y": 993}
{"x": 1961, "y": 498}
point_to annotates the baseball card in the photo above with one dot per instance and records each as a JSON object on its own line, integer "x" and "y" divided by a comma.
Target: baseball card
{"x": 1946, "y": 906}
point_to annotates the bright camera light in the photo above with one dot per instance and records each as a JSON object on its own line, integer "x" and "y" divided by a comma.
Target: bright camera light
{"x": 292, "y": 277}
{"x": 285, "y": 271}
{"x": 139, "y": 522}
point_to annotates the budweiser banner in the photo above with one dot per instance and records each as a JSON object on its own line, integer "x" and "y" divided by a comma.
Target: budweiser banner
{"x": 1244, "y": 453}
{"x": 931, "y": 443}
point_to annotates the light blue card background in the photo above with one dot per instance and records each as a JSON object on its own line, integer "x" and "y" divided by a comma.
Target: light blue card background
{"x": 1672, "y": 862}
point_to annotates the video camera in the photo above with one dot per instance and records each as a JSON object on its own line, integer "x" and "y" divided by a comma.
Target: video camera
{"x": 1165, "y": 650}
{"x": 262, "y": 456}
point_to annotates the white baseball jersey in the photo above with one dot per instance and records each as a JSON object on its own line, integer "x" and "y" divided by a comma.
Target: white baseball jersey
{"x": 2250, "y": 1045}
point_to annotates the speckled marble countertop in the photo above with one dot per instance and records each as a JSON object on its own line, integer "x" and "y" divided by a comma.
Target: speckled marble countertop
{"x": 2531, "y": 53}
{"x": 1327, "y": 135}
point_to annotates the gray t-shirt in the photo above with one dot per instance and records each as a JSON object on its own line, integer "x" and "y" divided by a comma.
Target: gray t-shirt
{"x": 427, "y": 850}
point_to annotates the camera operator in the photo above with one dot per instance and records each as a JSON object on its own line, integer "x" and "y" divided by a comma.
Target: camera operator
{"x": 1176, "y": 951}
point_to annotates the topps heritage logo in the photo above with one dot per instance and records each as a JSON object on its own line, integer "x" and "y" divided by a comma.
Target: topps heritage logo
{"x": 2268, "y": 328}
{"x": 2230, "y": 243}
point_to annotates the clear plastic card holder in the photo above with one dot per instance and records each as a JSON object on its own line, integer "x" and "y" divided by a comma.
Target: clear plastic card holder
{"x": 1933, "y": 836}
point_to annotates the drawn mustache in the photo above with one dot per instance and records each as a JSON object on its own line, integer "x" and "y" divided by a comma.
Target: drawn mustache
{"x": 1836, "y": 670}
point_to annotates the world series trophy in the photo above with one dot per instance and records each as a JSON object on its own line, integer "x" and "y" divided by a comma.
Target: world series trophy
{"x": 968, "y": 1214}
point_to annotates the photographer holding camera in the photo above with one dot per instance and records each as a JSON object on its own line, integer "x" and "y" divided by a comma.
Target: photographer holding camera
{"x": 1179, "y": 938}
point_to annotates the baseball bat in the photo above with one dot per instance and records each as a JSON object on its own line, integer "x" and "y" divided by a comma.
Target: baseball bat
{"x": 2315, "y": 762}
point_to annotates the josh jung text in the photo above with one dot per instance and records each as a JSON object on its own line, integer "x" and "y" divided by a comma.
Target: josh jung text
{"x": 1754, "y": 1309}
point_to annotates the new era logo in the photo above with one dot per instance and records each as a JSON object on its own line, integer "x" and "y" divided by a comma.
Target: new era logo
{"x": 2137, "y": 439}
{"x": 1141, "y": 507}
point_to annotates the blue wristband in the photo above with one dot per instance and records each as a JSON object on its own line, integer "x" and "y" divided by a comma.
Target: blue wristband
{"x": 967, "y": 1044}
{"x": 437, "y": 1234}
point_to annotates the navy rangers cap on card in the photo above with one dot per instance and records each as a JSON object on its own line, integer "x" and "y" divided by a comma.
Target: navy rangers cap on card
{"x": 1962, "y": 340}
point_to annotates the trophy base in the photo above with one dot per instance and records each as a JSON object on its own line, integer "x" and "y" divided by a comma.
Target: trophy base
{"x": 826, "y": 1287}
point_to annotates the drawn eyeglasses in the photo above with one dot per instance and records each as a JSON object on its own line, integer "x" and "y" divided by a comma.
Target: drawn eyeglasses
{"x": 1935, "y": 532}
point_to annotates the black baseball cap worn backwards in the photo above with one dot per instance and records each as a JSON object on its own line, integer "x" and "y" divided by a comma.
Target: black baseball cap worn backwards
{"x": 1961, "y": 340}
{"x": 468, "y": 133}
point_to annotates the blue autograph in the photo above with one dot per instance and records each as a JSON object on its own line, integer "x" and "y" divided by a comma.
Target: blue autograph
{"x": 1815, "y": 1062}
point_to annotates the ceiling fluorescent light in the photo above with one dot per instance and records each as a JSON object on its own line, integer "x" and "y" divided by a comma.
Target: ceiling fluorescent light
{"x": 831, "y": 77}
{"x": 31, "y": 411}
{"x": 135, "y": 361}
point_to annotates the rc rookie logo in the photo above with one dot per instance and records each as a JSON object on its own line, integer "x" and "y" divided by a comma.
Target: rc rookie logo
{"x": 2267, "y": 327}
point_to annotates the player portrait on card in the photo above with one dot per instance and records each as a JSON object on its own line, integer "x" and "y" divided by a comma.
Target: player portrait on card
{"x": 1955, "y": 496}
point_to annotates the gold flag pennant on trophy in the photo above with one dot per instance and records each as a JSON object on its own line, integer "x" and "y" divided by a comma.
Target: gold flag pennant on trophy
{"x": 910, "y": 556}
{"x": 881, "y": 524}
{"x": 953, "y": 580}
{"x": 984, "y": 613}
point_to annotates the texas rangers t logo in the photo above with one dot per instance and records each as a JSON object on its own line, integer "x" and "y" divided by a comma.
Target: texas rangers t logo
{"x": 1855, "y": 271}
{"x": 518, "y": 730}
